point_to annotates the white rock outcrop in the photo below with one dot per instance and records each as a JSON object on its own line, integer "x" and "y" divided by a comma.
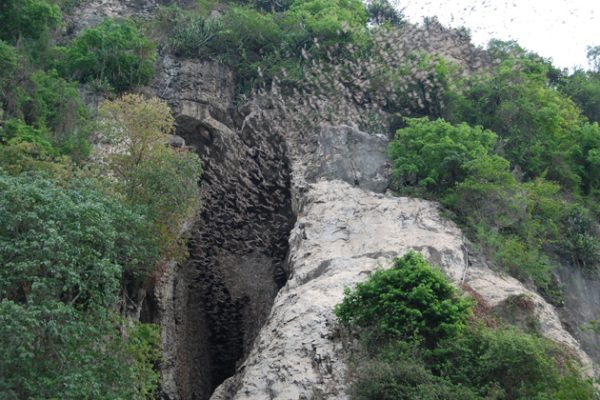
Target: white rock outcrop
{"x": 341, "y": 235}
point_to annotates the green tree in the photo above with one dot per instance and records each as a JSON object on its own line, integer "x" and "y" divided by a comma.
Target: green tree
{"x": 54, "y": 104}
{"x": 24, "y": 148}
{"x": 150, "y": 173}
{"x": 434, "y": 154}
{"x": 382, "y": 11}
{"x": 63, "y": 249}
{"x": 113, "y": 52}
{"x": 425, "y": 349}
{"x": 27, "y": 19}
{"x": 333, "y": 21}
{"x": 488, "y": 193}
{"x": 537, "y": 126}
{"x": 8, "y": 67}
{"x": 67, "y": 244}
{"x": 593, "y": 56}
{"x": 410, "y": 301}
{"x": 509, "y": 364}
{"x": 583, "y": 87}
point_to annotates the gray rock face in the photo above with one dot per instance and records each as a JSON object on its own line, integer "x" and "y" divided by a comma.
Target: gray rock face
{"x": 345, "y": 153}
{"x": 582, "y": 305}
{"x": 92, "y": 12}
{"x": 341, "y": 235}
{"x": 199, "y": 92}
{"x": 211, "y": 308}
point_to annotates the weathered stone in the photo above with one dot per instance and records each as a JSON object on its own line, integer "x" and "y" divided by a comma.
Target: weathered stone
{"x": 176, "y": 141}
{"x": 582, "y": 306}
{"x": 345, "y": 153}
{"x": 238, "y": 246}
{"x": 92, "y": 12}
{"x": 196, "y": 90}
{"x": 342, "y": 234}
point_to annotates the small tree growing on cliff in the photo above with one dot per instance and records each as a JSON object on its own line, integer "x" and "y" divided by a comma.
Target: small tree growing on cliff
{"x": 149, "y": 173}
{"x": 410, "y": 301}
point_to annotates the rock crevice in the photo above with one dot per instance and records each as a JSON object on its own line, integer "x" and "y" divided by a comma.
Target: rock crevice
{"x": 222, "y": 295}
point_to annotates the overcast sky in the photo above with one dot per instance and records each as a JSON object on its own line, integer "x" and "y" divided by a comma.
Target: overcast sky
{"x": 558, "y": 29}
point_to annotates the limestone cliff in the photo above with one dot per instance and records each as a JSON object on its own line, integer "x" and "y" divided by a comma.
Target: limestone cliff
{"x": 341, "y": 234}
{"x": 289, "y": 219}
{"x": 215, "y": 311}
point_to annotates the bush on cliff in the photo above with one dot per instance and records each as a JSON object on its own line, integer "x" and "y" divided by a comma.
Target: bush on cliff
{"x": 149, "y": 173}
{"x": 409, "y": 301}
{"x": 417, "y": 344}
{"x": 115, "y": 52}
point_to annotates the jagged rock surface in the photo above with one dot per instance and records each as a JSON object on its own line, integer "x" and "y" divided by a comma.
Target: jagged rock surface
{"x": 211, "y": 308}
{"x": 342, "y": 152}
{"x": 92, "y": 12}
{"x": 222, "y": 295}
{"x": 343, "y": 233}
{"x": 582, "y": 305}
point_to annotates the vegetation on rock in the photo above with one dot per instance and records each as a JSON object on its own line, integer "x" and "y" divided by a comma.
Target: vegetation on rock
{"x": 79, "y": 240}
{"x": 516, "y": 158}
{"x": 417, "y": 342}
{"x": 410, "y": 301}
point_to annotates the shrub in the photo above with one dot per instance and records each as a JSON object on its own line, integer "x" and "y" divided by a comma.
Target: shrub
{"x": 150, "y": 174}
{"x": 115, "y": 52}
{"x": 247, "y": 36}
{"x": 523, "y": 226}
{"x": 64, "y": 248}
{"x": 507, "y": 363}
{"x": 143, "y": 345}
{"x": 488, "y": 193}
{"x": 537, "y": 125}
{"x": 19, "y": 157}
{"x": 398, "y": 373}
{"x": 583, "y": 87}
{"x": 585, "y": 156}
{"x": 410, "y": 301}
{"x": 27, "y": 19}
{"x": 383, "y": 12}
{"x": 426, "y": 350}
{"x": 70, "y": 244}
{"x": 8, "y": 66}
{"x": 55, "y": 104}
{"x": 434, "y": 154}
{"x": 50, "y": 350}
{"x": 195, "y": 36}
{"x": 46, "y": 103}
{"x": 581, "y": 237}
{"x": 332, "y": 21}
{"x": 24, "y": 148}
{"x": 17, "y": 131}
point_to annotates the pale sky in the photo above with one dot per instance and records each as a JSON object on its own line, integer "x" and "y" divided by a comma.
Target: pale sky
{"x": 557, "y": 29}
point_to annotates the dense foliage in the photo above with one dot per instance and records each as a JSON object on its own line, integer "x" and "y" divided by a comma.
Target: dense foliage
{"x": 64, "y": 249}
{"x": 27, "y": 19}
{"x": 75, "y": 251}
{"x": 264, "y": 40}
{"x": 409, "y": 301}
{"x": 435, "y": 155}
{"x": 113, "y": 52}
{"x": 521, "y": 176}
{"x": 79, "y": 240}
{"x": 150, "y": 174}
{"x": 517, "y": 163}
{"x": 400, "y": 359}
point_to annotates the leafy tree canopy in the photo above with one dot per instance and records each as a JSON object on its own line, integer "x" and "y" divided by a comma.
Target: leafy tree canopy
{"x": 411, "y": 301}
{"x": 116, "y": 52}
